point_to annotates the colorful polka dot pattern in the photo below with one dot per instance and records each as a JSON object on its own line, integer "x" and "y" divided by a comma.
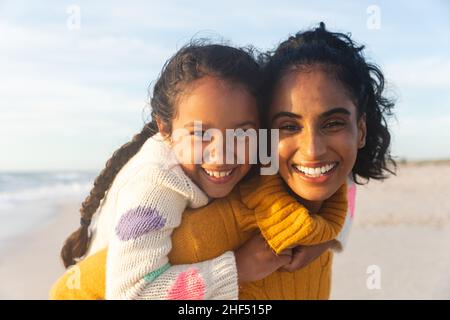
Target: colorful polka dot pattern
{"x": 189, "y": 285}
{"x": 156, "y": 273}
{"x": 139, "y": 221}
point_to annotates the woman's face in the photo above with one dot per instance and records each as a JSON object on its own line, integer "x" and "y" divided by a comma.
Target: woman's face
{"x": 219, "y": 105}
{"x": 319, "y": 132}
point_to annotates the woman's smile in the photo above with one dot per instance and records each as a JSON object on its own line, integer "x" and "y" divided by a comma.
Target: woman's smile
{"x": 319, "y": 172}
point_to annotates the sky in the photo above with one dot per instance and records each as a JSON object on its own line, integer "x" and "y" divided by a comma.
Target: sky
{"x": 74, "y": 75}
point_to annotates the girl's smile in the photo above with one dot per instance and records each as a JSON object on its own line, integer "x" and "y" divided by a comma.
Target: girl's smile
{"x": 219, "y": 176}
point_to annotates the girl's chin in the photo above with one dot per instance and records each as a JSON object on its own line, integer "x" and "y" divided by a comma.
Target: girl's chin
{"x": 217, "y": 193}
{"x": 217, "y": 190}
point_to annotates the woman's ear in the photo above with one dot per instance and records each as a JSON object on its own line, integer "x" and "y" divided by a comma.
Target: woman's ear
{"x": 362, "y": 131}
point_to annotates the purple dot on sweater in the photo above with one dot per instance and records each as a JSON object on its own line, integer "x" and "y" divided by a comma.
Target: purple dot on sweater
{"x": 139, "y": 221}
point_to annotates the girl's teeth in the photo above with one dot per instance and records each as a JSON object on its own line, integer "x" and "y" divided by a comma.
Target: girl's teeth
{"x": 218, "y": 174}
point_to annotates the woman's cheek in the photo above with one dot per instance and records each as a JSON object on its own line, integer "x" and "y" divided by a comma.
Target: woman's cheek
{"x": 345, "y": 146}
{"x": 286, "y": 148}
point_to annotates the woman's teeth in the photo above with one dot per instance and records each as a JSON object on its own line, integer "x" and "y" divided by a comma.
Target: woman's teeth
{"x": 218, "y": 174}
{"x": 316, "y": 172}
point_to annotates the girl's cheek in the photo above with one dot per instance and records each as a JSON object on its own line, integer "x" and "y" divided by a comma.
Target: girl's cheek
{"x": 191, "y": 171}
{"x": 251, "y": 153}
{"x": 188, "y": 150}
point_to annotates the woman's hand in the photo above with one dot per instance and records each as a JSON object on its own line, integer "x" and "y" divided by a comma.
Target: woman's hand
{"x": 255, "y": 259}
{"x": 304, "y": 255}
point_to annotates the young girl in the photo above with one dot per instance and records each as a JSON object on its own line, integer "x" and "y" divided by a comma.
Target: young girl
{"x": 147, "y": 193}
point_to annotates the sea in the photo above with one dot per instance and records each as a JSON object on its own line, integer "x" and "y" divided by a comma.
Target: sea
{"x": 30, "y": 199}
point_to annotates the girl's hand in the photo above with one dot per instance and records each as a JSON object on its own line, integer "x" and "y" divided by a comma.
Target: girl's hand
{"x": 303, "y": 255}
{"x": 255, "y": 260}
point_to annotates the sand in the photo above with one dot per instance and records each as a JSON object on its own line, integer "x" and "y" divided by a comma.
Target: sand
{"x": 402, "y": 225}
{"x": 401, "y": 235}
{"x": 30, "y": 266}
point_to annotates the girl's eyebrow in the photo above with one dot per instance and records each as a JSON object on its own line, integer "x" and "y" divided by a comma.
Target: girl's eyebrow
{"x": 207, "y": 125}
{"x": 192, "y": 124}
{"x": 245, "y": 123}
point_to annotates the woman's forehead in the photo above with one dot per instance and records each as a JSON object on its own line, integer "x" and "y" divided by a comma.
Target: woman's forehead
{"x": 309, "y": 93}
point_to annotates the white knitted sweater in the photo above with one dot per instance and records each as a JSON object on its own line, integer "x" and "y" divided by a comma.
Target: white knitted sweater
{"x": 136, "y": 220}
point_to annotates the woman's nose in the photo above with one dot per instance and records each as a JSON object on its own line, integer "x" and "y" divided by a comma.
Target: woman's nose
{"x": 312, "y": 144}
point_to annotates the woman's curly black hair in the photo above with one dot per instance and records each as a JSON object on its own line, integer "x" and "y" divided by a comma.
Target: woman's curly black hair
{"x": 344, "y": 59}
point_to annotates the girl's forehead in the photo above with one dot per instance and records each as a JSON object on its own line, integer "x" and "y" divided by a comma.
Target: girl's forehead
{"x": 216, "y": 105}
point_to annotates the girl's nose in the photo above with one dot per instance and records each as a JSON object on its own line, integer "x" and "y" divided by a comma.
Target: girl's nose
{"x": 214, "y": 151}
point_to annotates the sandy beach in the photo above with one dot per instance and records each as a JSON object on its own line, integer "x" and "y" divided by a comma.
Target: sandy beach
{"x": 30, "y": 265}
{"x": 401, "y": 230}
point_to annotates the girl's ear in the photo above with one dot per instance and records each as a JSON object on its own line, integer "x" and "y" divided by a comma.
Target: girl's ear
{"x": 362, "y": 131}
{"x": 162, "y": 127}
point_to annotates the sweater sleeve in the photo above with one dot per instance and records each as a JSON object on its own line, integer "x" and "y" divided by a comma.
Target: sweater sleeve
{"x": 149, "y": 208}
{"x": 285, "y": 222}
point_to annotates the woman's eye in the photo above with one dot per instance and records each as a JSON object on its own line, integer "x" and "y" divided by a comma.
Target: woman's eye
{"x": 290, "y": 127}
{"x": 334, "y": 124}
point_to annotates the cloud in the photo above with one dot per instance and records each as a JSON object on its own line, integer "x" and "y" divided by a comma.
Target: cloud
{"x": 89, "y": 86}
{"x": 420, "y": 73}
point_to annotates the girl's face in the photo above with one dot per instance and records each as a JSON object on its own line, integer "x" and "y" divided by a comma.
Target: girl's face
{"x": 219, "y": 105}
{"x": 319, "y": 132}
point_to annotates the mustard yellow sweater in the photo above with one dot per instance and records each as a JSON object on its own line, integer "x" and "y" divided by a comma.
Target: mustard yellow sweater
{"x": 260, "y": 204}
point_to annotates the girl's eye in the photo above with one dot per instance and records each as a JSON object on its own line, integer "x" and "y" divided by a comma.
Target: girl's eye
{"x": 239, "y": 133}
{"x": 197, "y": 133}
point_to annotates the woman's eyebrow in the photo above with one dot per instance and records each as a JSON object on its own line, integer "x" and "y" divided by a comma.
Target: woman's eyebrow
{"x": 323, "y": 115}
{"x": 286, "y": 114}
{"x": 340, "y": 110}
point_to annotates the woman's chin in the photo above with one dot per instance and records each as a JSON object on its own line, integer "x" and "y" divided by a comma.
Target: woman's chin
{"x": 313, "y": 194}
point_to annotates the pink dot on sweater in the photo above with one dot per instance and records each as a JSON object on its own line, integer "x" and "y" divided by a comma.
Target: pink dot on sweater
{"x": 189, "y": 285}
{"x": 351, "y": 195}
